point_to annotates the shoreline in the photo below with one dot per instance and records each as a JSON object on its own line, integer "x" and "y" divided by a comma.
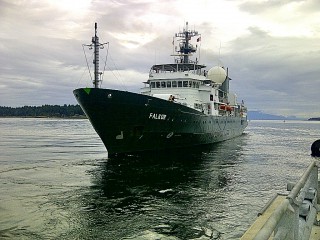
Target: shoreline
{"x": 70, "y": 117}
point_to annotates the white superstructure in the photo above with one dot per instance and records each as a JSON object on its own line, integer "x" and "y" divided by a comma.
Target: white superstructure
{"x": 189, "y": 83}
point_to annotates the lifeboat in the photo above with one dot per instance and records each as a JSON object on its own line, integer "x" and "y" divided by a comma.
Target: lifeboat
{"x": 226, "y": 108}
{"x": 223, "y": 107}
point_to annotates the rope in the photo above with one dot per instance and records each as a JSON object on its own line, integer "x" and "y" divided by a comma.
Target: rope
{"x": 87, "y": 61}
{"x": 105, "y": 62}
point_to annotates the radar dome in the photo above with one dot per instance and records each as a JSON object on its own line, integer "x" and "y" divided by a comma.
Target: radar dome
{"x": 217, "y": 74}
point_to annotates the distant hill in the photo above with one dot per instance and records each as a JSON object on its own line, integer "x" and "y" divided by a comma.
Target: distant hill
{"x": 65, "y": 111}
{"x": 314, "y": 119}
{"x": 258, "y": 115}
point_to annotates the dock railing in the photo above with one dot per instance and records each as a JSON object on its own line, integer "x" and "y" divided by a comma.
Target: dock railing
{"x": 294, "y": 217}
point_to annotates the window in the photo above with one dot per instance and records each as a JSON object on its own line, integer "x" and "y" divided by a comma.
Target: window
{"x": 185, "y": 83}
{"x": 211, "y": 97}
{"x": 153, "y": 84}
{"x": 169, "y": 84}
{"x": 157, "y": 84}
{"x": 163, "y": 84}
{"x": 174, "y": 83}
{"x": 179, "y": 83}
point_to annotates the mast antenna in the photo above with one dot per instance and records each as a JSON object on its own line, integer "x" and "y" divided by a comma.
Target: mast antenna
{"x": 96, "y": 45}
{"x": 185, "y": 47}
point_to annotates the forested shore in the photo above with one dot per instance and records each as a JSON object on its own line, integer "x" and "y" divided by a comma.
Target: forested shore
{"x": 65, "y": 111}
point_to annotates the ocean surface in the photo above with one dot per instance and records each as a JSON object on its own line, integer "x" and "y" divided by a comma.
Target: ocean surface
{"x": 57, "y": 182}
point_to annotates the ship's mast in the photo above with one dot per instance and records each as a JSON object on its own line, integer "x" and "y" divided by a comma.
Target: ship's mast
{"x": 185, "y": 47}
{"x": 96, "y": 45}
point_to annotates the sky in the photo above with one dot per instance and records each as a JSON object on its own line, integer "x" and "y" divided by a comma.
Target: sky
{"x": 270, "y": 47}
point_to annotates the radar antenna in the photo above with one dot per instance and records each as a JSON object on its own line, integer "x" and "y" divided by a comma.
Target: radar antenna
{"x": 186, "y": 48}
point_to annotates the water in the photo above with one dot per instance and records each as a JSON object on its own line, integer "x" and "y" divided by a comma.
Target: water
{"x": 56, "y": 182}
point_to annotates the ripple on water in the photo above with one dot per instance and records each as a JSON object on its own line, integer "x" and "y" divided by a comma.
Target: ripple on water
{"x": 57, "y": 183}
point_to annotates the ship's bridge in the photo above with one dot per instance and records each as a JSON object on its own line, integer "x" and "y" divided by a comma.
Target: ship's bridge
{"x": 177, "y": 70}
{"x": 184, "y": 81}
{"x": 177, "y": 67}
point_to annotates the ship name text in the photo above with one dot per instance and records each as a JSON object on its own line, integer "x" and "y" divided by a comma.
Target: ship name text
{"x": 157, "y": 116}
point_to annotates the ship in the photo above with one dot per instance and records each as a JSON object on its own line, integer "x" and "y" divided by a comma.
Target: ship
{"x": 180, "y": 105}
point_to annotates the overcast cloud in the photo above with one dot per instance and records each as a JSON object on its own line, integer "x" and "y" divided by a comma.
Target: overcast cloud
{"x": 271, "y": 47}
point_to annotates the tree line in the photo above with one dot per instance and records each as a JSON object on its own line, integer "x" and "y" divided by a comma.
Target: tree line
{"x": 65, "y": 111}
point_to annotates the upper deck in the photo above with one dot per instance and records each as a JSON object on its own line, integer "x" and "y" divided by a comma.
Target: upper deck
{"x": 178, "y": 71}
{"x": 177, "y": 67}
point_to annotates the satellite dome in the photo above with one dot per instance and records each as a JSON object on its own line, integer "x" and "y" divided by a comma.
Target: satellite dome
{"x": 217, "y": 74}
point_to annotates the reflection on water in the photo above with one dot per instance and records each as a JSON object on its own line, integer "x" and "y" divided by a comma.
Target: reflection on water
{"x": 174, "y": 194}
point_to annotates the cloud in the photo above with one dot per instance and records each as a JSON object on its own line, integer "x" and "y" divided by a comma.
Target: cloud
{"x": 270, "y": 47}
{"x": 285, "y": 17}
{"x": 277, "y": 74}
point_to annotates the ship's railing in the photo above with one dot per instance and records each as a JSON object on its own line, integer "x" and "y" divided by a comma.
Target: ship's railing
{"x": 294, "y": 217}
{"x": 194, "y": 68}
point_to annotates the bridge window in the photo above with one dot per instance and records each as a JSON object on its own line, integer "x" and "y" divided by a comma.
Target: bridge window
{"x": 174, "y": 83}
{"x": 185, "y": 83}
